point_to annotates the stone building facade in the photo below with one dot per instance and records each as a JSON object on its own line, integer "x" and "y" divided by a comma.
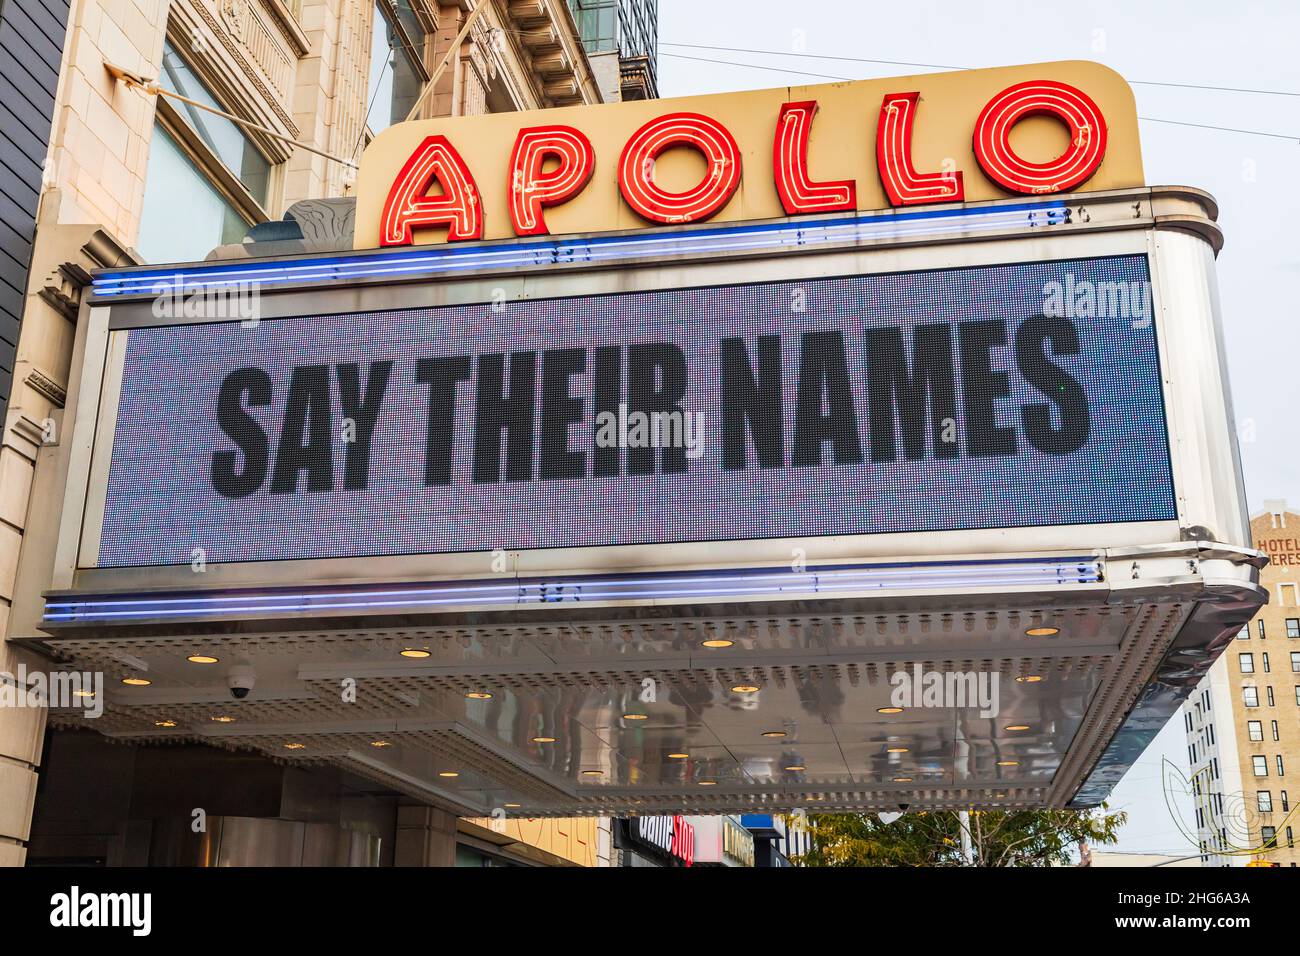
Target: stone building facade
{"x": 134, "y": 177}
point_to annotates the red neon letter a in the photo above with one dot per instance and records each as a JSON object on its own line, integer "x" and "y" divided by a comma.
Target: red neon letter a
{"x": 408, "y": 208}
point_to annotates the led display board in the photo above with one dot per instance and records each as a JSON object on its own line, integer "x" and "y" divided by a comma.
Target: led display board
{"x": 981, "y": 397}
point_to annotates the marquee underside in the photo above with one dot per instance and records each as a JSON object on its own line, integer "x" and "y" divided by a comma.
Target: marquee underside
{"x": 1129, "y": 623}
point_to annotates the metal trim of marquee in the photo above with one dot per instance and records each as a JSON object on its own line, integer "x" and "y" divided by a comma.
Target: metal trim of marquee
{"x": 1173, "y": 226}
{"x": 79, "y": 609}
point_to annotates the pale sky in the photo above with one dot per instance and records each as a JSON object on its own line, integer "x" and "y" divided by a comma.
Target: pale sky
{"x": 1246, "y": 45}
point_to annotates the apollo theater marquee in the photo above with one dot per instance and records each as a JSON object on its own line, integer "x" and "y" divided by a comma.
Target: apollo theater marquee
{"x": 636, "y": 449}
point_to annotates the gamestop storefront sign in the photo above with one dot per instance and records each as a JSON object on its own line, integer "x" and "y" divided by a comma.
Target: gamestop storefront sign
{"x": 999, "y": 396}
{"x": 669, "y": 834}
{"x": 939, "y": 138}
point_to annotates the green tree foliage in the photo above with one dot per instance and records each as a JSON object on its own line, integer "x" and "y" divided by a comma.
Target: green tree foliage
{"x": 933, "y": 838}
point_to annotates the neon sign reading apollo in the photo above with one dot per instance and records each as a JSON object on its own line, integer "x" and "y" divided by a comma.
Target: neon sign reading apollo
{"x": 552, "y": 164}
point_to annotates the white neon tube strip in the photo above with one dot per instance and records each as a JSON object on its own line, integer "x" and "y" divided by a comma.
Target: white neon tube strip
{"x": 599, "y": 250}
{"x": 882, "y": 571}
{"x": 578, "y": 591}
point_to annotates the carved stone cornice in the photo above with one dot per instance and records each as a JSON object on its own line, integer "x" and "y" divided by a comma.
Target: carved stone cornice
{"x": 284, "y": 20}
{"x": 38, "y": 381}
{"x": 561, "y": 71}
{"x": 62, "y": 287}
{"x": 188, "y": 14}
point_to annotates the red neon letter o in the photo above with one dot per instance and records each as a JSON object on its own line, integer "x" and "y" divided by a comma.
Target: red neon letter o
{"x": 1081, "y": 158}
{"x": 636, "y": 168}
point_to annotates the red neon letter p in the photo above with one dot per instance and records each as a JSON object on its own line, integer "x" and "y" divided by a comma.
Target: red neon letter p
{"x": 531, "y": 188}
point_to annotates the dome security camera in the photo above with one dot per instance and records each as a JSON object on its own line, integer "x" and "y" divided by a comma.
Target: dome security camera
{"x": 241, "y": 679}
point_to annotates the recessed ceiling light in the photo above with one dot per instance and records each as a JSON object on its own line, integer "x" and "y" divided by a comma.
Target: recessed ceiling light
{"x": 478, "y": 695}
{"x": 889, "y": 710}
{"x": 902, "y": 780}
{"x": 223, "y": 719}
{"x": 795, "y": 767}
{"x": 164, "y": 723}
{"x": 294, "y": 746}
{"x": 1043, "y": 631}
{"x": 708, "y": 783}
{"x": 717, "y": 642}
{"x": 1008, "y": 763}
{"x": 678, "y": 756}
{"x": 636, "y": 717}
{"x": 415, "y": 652}
{"x": 136, "y": 681}
{"x": 83, "y": 693}
{"x": 1028, "y": 679}
{"x": 745, "y": 689}
{"x": 543, "y": 740}
{"x": 448, "y": 773}
{"x": 512, "y": 806}
{"x": 812, "y": 796}
{"x": 592, "y": 773}
{"x": 896, "y": 750}
{"x": 1017, "y": 727}
{"x": 380, "y": 743}
{"x": 774, "y": 733}
{"x": 202, "y": 659}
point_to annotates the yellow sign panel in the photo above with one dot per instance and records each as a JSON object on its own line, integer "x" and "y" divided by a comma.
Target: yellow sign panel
{"x": 570, "y": 838}
{"x": 990, "y": 133}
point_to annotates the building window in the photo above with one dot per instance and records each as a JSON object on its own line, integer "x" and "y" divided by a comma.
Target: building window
{"x": 226, "y": 140}
{"x": 1255, "y": 728}
{"x": 597, "y": 24}
{"x": 1290, "y": 840}
{"x": 1250, "y": 696}
{"x": 1269, "y": 692}
{"x": 1244, "y": 633}
{"x": 210, "y": 219}
{"x": 1264, "y": 801}
{"x": 397, "y": 72}
{"x": 1293, "y": 627}
{"x": 1274, "y": 723}
{"x": 1267, "y": 669}
{"x": 1295, "y": 661}
{"x": 1260, "y": 625}
{"x": 1286, "y": 805}
{"x": 1247, "y": 663}
{"x": 1280, "y": 771}
{"x": 203, "y": 163}
{"x": 1268, "y": 837}
{"x": 1260, "y": 766}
